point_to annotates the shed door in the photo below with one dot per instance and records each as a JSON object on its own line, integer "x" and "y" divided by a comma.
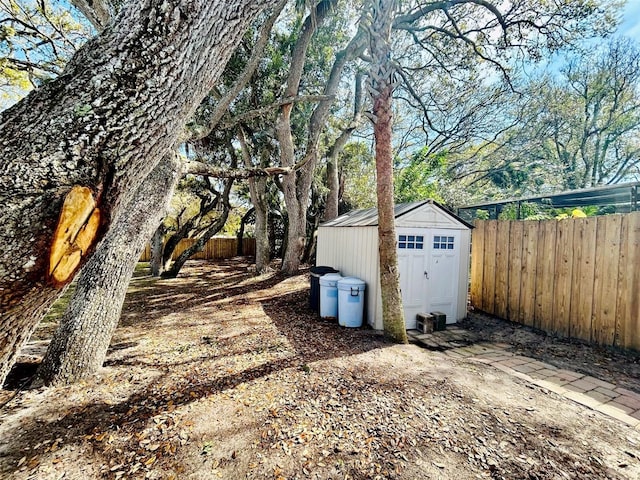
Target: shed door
{"x": 429, "y": 264}
{"x": 442, "y": 270}
{"x": 412, "y": 261}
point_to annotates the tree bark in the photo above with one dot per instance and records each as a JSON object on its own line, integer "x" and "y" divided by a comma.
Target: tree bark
{"x": 258, "y": 194}
{"x": 157, "y": 244}
{"x": 79, "y": 345}
{"x": 333, "y": 157}
{"x": 98, "y": 12}
{"x": 296, "y": 187}
{"x": 240, "y": 235}
{"x": 295, "y": 203}
{"x": 116, "y": 110}
{"x": 381, "y": 76}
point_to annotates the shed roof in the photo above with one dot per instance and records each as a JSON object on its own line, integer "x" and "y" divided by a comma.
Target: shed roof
{"x": 369, "y": 217}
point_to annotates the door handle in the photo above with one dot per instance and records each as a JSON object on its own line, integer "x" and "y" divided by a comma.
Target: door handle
{"x": 426, "y": 274}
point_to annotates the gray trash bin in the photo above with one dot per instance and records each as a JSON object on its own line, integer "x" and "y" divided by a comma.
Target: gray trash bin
{"x": 314, "y": 291}
{"x": 350, "y": 302}
{"x": 329, "y": 295}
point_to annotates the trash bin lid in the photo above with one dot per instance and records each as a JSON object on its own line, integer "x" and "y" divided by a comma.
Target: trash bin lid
{"x": 330, "y": 279}
{"x": 347, "y": 283}
{"x": 321, "y": 270}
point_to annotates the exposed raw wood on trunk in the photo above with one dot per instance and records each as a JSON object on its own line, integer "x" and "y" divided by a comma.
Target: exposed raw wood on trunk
{"x": 74, "y": 236}
{"x": 381, "y": 75}
{"x": 79, "y": 346}
{"x": 117, "y": 109}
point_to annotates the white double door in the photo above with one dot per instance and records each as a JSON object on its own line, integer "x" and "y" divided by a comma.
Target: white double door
{"x": 429, "y": 263}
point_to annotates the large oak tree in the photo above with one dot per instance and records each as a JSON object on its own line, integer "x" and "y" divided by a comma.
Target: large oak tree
{"x": 92, "y": 135}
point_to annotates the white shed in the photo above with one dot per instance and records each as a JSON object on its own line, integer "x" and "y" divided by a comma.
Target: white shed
{"x": 433, "y": 256}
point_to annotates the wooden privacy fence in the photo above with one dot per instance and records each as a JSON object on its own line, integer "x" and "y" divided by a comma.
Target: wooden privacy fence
{"x": 215, "y": 249}
{"x": 575, "y": 277}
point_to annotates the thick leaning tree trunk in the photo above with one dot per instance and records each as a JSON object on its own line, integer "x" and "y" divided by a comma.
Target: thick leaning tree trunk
{"x": 96, "y": 132}
{"x": 381, "y": 75}
{"x": 79, "y": 346}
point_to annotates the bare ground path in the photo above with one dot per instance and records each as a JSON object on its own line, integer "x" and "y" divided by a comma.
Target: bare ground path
{"x": 218, "y": 374}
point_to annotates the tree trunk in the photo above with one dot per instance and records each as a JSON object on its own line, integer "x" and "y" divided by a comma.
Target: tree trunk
{"x": 98, "y": 130}
{"x": 382, "y": 88}
{"x": 157, "y": 244}
{"x": 333, "y": 185}
{"x": 199, "y": 245}
{"x": 296, "y": 187}
{"x": 295, "y": 197}
{"x": 258, "y": 194}
{"x": 333, "y": 157}
{"x": 79, "y": 345}
{"x": 240, "y": 234}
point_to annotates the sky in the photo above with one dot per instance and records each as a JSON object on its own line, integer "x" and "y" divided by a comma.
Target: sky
{"x": 630, "y": 26}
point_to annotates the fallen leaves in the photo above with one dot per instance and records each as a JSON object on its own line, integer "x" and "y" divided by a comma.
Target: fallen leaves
{"x": 247, "y": 382}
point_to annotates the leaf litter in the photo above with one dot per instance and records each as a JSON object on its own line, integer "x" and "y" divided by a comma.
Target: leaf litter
{"x": 219, "y": 374}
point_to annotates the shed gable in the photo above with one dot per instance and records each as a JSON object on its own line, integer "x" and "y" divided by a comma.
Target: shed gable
{"x": 429, "y": 215}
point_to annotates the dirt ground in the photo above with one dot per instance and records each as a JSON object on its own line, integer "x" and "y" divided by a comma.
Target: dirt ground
{"x": 608, "y": 364}
{"x": 218, "y": 374}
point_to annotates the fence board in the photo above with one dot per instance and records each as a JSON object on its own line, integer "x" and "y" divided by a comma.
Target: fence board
{"x": 477, "y": 263}
{"x": 515, "y": 269}
{"x": 562, "y": 277}
{"x": 214, "y": 249}
{"x": 546, "y": 275}
{"x": 582, "y": 289}
{"x": 628, "y": 301}
{"x": 502, "y": 268}
{"x": 528, "y": 279}
{"x": 489, "y": 271}
{"x": 606, "y": 283}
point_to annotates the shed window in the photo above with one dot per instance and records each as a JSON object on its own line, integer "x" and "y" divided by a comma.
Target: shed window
{"x": 411, "y": 242}
{"x": 441, "y": 242}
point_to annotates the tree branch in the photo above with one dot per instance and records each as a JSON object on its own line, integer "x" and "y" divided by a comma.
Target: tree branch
{"x": 201, "y": 168}
{"x": 259, "y": 112}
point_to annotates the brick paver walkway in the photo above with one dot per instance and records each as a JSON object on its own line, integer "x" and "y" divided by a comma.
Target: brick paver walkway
{"x": 605, "y": 397}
